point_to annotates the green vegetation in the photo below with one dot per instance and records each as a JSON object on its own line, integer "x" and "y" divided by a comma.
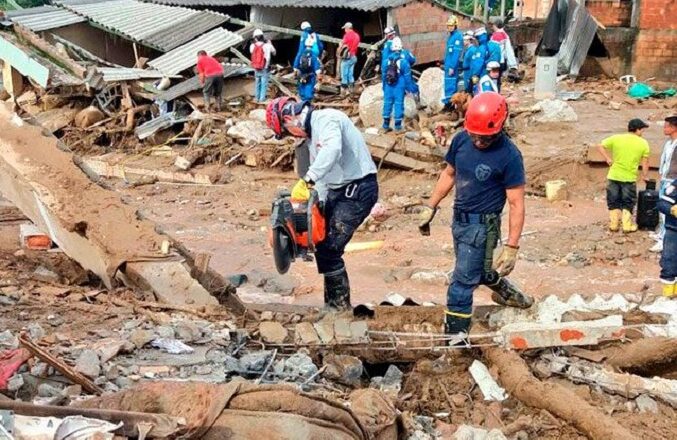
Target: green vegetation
{"x": 10, "y": 5}
{"x": 466, "y": 6}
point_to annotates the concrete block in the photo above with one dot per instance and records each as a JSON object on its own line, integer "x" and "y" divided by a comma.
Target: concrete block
{"x": 305, "y": 334}
{"x": 325, "y": 330}
{"x": 526, "y": 335}
{"x": 359, "y": 331}
{"x": 342, "y": 330}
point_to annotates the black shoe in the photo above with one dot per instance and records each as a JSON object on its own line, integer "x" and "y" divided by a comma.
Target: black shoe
{"x": 337, "y": 290}
{"x": 506, "y": 293}
{"x": 458, "y": 329}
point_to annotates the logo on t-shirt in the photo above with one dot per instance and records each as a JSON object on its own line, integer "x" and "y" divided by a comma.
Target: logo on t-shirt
{"x": 482, "y": 172}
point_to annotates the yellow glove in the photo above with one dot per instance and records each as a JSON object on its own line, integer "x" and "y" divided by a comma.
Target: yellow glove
{"x": 506, "y": 261}
{"x": 475, "y": 79}
{"x": 300, "y": 191}
{"x": 673, "y": 210}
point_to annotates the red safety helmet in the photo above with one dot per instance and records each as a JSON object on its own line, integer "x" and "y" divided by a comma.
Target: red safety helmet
{"x": 486, "y": 114}
{"x": 274, "y": 117}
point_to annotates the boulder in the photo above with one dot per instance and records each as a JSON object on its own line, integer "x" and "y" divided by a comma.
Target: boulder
{"x": 258, "y": 114}
{"x": 555, "y": 110}
{"x": 371, "y": 106}
{"x": 431, "y": 86}
{"x": 344, "y": 369}
{"x": 88, "y": 116}
{"x": 250, "y": 132}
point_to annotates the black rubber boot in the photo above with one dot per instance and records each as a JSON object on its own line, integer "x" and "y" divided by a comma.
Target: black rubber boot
{"x": 457, "y": 326}
{"x": 506, "y": 293}
{"x": 337, "y": 290}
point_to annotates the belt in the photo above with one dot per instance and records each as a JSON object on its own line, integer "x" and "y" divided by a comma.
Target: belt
{"x": 474, "y": 219}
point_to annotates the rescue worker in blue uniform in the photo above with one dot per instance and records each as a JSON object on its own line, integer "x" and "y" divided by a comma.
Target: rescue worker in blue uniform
{"x": 452, "y": 59}
{"x": 390, "y": 34}
{"x": 472, "y": 63}
{"x": 308, "y": 70}
{"x": 396, "y": 74}
{"x": 489, "y": 82}
{"x": 667, "y": 205}
{"x": 308, "y": 33}
{"x": 482, "y": 42}
{"x": 487, "y": 170}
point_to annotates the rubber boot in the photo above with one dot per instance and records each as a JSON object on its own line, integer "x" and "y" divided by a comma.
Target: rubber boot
{"x": 506, "y": 293}
{"x": 614, "y": 220}
{"x": 386, "y": 125}
{"x": 628, "y": 224}
{"x": 459, "y": 327}
{"x": 337, "y": 290}
{"x": 669, "y": 289}
{"x": 398, "y": 125}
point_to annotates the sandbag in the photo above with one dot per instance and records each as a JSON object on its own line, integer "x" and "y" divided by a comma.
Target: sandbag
{"x": 376, "y": 412}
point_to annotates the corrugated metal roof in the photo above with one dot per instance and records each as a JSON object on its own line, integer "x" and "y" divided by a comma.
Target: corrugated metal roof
{"x": 158, "y": 26}
{"x": 112, "y": 74}
{"x": 581, "y": 31}
{"x": 189, "y": 85}
{"x": 161, "y": 122}
{"x": 363, "y": 5}
{"x": 44, "y": 17}
{"x": 185, "y": 57}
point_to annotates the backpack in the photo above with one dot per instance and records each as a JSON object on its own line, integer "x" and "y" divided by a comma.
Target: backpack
{"x": 392, "y": 72}
{"x": 258, "y": 57}
{"x": 306, "y": 62}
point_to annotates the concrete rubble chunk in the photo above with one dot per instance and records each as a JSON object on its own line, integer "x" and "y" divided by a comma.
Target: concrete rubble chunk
{"x": 88, "y": 364}
{"x": 273, "y": 332}
{"x": 344, "y": 369}
{"x": 646, "y": 404}
{"x": 108, "y": 348}
{"x": 524, "y": 335}
{"x": 140, "y": 337}
{"x": 342, "y": 331}
{"x": 36, "y": 331}
{"x": 435, "y": 277}
{"x": 392, "y": 380}
{"x": 431, "y": 88}
{"x": 47, "y": 390}
{"x": 258, "y": 114}
{"x": 299, "y": 365}
{"x": 255, "y": 362}
{"x": 305, "y": 334}
{"x": 325, "y": 330}
{"x": 250, "y": 132}
{"x": 15, "y": 383}
{"x": 554, "y": 110}
{"x": 490, "y": 389}
{"x": 187, "y": 331}
{"x": 359, "y": 331}
{"x": 465, "y": 432}
{"x": 371, "y": 106}
{"x": 8, "y": 340}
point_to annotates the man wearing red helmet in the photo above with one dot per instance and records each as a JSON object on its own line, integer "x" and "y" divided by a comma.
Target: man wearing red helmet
{"x": 341, "y": 168}
{"x": 487, "y": 170}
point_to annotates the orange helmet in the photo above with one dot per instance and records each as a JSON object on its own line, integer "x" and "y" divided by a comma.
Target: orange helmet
{"x": 486, "y": 114}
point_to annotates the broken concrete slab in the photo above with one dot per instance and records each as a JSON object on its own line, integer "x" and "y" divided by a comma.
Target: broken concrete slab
{"x": 305, "y": 334}
{"x": 80, "y": 216}
{"x": 273, "y": 332}
{"x": 170, "y": 281}
{"x": 526, "y": 335}
{"x": 371, "y": 106}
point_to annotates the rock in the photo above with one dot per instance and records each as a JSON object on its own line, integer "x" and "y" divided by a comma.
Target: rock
{"x": 299, "y": 365}
{"x": 281, "y": 284}
{"x": 435, "y": 277}
{"x": 111, "y": 372}
{"x": 88, "y": 116}
{"x": 165, "y": 331}
{"x": 267, "y": 316}
{"x": 216, "y": 355}
{"x": 613, "y": 105}
{"x": 273, "y": 332}
{"x": 359, "y": 331}
{"x": 250, "y": 132}
{"x": 230, "y": 364}
{"x": 8, "y": 341}
{"x": 342, "y": 330}
{"x": 47, "y": 390}
{"x": 431, "y": 86}
{"x": 258, "y": 114}
{"x": 203, "y": 370}
{"x": 466, "y": 432}
{"x": 124, "y": 382}
{"x": 392, "y": 380}
{"x": 187, "y": 331}
{"x": 555, "y": 110}
{"x": 371, "y": 106}
{"x": 304, "y": 333}
{"x": 35, "y": 331}
{"x": 88, "y": 364}
{"x": 72, "y": 390}
{"x": 15, "y": 383}
{"x": 254, "y": 362}
{"x": 344, "y": 369}
{"x": 40, "y": 369}
{"x": 140, "y": 337}
{"x": 45, "y": 275}
{"x": 646, "y": 404}
{"x": 325, "y": 330}
{"x": 556, "y": 190}
{"x": 108, "y": 348}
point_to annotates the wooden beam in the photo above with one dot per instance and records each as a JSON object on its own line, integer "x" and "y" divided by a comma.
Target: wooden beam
{"x": 273, "y": 78}
{"x": 62, "y": 59}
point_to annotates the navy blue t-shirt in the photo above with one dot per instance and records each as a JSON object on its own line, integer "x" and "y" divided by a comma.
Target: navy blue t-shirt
{"x": 482, "y": 176}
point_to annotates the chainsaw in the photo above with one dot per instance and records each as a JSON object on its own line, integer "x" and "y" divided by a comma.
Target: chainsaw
{"x": 297, "y": 226}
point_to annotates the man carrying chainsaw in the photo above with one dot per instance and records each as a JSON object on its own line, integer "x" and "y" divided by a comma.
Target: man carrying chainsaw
{"x": 341, "y": 164}
{"x": 487, "y": 170}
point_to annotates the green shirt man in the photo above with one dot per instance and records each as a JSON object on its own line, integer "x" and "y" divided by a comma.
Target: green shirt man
{"x": 625, "y": 153}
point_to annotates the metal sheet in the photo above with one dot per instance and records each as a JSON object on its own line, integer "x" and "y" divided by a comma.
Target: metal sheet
{"x": 23, "y": 62}
{"x": 363, "y": 5}
{"x": 146, "y": 130}
{"x": 158, "y": 26}
{"x": 184, "y": 57}
{"x": 189, "y": 85}
{"x": 112, "y": 74}
{"x": 581, "y": 30}
{"x": 44, "y": 18}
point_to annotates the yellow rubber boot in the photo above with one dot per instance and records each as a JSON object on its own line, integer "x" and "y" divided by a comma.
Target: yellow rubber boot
{"x": 669, "y": 289}
{"x": 628, "y": 224}
{"x": 614, "y": 220}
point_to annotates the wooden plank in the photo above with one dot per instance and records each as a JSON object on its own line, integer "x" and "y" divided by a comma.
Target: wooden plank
{"x": 274, "y": 79}
{"x": 397, "y": 160}
{"x": 594, "y": 156}
{"x": 51, "y": 51}
{"x": 99, "y": 166}
{"x": 22, "y": 62}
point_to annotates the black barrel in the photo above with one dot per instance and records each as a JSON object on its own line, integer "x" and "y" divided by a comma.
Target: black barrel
{"x": 647, "y": 207}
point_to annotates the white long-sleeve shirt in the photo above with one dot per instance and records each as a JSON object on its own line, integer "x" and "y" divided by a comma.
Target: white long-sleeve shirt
{"x": 666, "y": 157}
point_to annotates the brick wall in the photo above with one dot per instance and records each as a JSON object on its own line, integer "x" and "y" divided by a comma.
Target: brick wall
{"x": 655, "y": 51}
{"x": 611, "y": 12}
{"x": 658, "y": 14}
{"x": 423, "y": 29}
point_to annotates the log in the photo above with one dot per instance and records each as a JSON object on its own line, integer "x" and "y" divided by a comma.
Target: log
{"x": 187, "y": 159}
{"x": 516, "y": 378}
{"x": 644, "y": 356}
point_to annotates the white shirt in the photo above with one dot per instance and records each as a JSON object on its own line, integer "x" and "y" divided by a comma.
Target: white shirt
{"x": 268, "y": 50}
{"x": 666, "y": 157}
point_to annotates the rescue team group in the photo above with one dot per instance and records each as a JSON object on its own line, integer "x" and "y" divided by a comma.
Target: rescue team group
{"x": 482, "y": 163}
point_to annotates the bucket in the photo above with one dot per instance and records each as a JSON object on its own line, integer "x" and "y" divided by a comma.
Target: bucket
{"x": 556, "y": 190}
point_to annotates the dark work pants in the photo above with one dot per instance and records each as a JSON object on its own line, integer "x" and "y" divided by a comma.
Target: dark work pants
{"x": 621, "y": 195}
{"x": 669, "y": 256}
{"x": 474, "y": 244}
{"x": 213, "y": 87}
{"x": 345, "y": 209}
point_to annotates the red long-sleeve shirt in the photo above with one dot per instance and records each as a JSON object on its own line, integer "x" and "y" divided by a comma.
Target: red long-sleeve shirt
{"x": 351, "y": 40}
{"x": 209, "y": 66}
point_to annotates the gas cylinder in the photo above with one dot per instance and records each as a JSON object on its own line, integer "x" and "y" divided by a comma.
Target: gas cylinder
{"x": 647, "y": 207}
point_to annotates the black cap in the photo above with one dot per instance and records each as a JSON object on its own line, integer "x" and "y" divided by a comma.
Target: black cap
{"x": 637, "y": 124}
{"x": 672, "y": 120}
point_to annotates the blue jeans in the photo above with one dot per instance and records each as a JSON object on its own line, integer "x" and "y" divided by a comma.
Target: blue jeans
{"x": 661, "y": 217}
{"x": 473, "y": 246}
{"x": 669, "y": 256}
{"x": 348, "y": 71}
{"x": 621, "y": 195}
{"x": 344, "y": 210}
{"x": 261, "y": 86}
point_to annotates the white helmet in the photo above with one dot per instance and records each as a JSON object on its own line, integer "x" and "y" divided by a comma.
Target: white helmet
{"x": 305, "y": 25}
{"x": 493, "y": 65}
{"x": 388, "y": 30}
{"x": 258, "y": 33}
{"x": 396, "y": 45}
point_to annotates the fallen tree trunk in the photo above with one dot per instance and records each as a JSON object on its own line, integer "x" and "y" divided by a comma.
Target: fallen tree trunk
{"x": 515, "y": 376}
{"x": 648, "y": 356}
